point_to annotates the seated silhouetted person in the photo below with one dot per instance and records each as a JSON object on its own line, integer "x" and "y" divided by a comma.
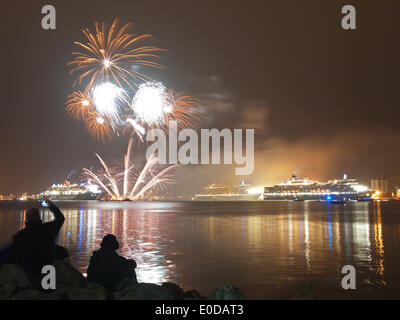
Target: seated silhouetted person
{"x": 107, "y": 268}
{"x": 34, "y": 246}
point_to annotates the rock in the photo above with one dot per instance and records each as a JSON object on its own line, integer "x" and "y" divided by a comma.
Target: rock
{"x": 66, "y": 275}
{"x": 74, "y": 292}
{"x": 193, "y": 295}
{"x": 124, "y": 284}
{"x": 34, "y": 295}
{"x": 175, "y": 290}
{"x": 227, "y": 292}
{"x": 12, "y": 274}
{"x": 144, "y": 291}
{"x": 6, "y": 291}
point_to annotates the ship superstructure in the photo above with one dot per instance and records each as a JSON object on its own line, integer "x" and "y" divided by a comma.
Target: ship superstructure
{"x": 68, "y": 191}
{"x": 305, "y": 189}
{"x": 221, "y": 192}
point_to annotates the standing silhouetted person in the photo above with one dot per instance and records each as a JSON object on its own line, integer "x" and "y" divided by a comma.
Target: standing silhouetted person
{"x": 107, "y": 268}
{"x": 34, "y": 246}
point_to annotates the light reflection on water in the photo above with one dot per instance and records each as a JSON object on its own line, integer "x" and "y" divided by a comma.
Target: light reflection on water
{"x": 265, "y": 248}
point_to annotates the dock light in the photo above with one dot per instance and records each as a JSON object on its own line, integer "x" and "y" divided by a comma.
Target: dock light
{"x": 376, "y": 194}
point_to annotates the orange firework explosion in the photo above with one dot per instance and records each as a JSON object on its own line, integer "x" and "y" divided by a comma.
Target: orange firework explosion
{"x": 113, "y": 52}
{"x": 186, "y": 110}
{"x": 79, "y": 105}
{"x": 99, "y": 127}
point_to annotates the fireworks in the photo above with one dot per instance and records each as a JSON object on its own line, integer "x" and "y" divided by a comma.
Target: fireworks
{"x": 134, "y": 184}
{"x": 112, "y": 52}
{"x": 99, "y": 127}
{"x": 107, "y": 69}
{"x": 186, "y": 110}
{"x": 152, "y": 103}
{"x": 155, "y": 106}
{"x": 79, "y": 105}
{"x": 96, "y": 112}
{"x": 108, "y": 100}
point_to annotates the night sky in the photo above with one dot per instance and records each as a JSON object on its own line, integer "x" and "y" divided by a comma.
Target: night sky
{"x": 323, "y": 101}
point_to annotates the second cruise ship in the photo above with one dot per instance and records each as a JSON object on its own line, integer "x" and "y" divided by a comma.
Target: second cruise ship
{"x": 305, "y": 189}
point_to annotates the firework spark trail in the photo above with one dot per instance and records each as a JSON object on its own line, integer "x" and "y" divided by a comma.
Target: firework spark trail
{"x": 137, "y": 128}
{"x": 157, "y": 180}
{"x": 111, "y": 52}
{"x": 127, "y": 166}
{"x": 108, "y": 176}
{"x": 147, "y": 179}
{"x": 186, "y": 110}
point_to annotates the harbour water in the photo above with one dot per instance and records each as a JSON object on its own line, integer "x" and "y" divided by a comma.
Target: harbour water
{"x": 268, "y": 249}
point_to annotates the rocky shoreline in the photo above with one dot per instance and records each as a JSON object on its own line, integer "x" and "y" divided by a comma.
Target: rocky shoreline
{"x": 18, "y": 284}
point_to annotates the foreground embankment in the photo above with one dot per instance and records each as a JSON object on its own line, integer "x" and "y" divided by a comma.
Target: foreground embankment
{"x": 18, "y": 284}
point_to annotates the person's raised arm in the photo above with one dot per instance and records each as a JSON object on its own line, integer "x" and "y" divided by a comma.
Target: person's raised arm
{"x": 58, "y": 215}
{"x": 59, "y": 218}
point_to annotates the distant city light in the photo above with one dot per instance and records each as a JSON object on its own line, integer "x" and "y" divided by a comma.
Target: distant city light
{"x": 376, "y": 195}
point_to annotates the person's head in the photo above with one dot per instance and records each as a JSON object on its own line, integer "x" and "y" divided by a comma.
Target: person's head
{"x": 33, "y": 216}
{"x": 110, "y": 242}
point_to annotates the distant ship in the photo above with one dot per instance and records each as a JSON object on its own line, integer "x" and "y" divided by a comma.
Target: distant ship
{"x": 304, "y": 189}
{"x": 68, "y": 191}
{"x": 220, "y": 192}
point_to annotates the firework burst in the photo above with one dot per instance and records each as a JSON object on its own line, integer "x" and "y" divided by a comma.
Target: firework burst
{"x": 99, "y": 127}
{"x": 186, "y": 110}
{"x": 113, "y": 52}
{"x": 152, "y": 104}
{"x": 108, "y": 100}
{"x": 129, "y": 183}
{"x": 154, "y": 107}
{"x": 79, "y": 105}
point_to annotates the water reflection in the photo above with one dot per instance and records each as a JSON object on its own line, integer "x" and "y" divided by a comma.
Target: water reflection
{"x": 378, "y": 238}
{"x": 266, "y": 248}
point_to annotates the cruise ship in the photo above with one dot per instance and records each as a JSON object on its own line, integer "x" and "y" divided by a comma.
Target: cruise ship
{"x": 305, "y": 189}
{"x": 221, "y": 192}
{"x": 68, "y": 191}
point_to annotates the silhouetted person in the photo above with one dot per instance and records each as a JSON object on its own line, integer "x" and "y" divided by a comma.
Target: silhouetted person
{"x": 107, "y": 268}
{"x": 34, "y": 246}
